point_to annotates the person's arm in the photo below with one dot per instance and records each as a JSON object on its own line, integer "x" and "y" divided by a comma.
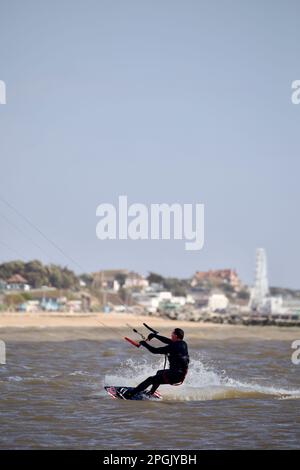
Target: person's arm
{"x": 163, "y": 339}
{"x": 163, "y": 350}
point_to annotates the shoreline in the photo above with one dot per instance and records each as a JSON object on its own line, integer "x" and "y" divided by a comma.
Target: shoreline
{"x": 91, "y": 324}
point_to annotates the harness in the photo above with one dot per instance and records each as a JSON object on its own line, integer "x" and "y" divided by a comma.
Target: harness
{"x": 179, "y": 383}
{"x": 176, "y": 384}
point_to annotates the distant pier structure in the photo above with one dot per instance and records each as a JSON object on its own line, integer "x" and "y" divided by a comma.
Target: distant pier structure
{"x": 260, "y": 290}
{"x": 260, "y": 300}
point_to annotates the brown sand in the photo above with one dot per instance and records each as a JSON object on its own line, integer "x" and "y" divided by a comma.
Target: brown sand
{"x": 110, "y": 322}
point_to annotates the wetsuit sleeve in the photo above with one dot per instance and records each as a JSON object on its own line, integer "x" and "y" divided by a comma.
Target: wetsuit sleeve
{"x": 163, "y": 339}
{"x": 163, "y": 350}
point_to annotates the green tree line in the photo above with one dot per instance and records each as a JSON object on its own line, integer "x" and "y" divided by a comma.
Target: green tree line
{"x": 39, "y": 275}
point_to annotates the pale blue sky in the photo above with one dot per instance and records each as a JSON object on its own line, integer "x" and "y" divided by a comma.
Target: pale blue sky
{"x": 164, "y": 101}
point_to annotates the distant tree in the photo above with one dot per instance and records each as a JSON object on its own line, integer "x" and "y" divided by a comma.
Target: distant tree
{"x": 10, "y": 268}
{"x": 39, "y": 275}
{"x": 36, "y": 274}
{"x": 154, "y": 278}
{"x": 176, "y": 286}
{"x": 62, "y": 278}
{"x": 227, "y": 288}
{"x": 121, "y": 278}
{"x": 87, "y": 278}
{"x": 54, "y": 276}
{"x": 13, "y": 300}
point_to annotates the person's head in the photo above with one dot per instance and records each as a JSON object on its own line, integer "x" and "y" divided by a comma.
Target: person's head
{"x": 177, "y": 334}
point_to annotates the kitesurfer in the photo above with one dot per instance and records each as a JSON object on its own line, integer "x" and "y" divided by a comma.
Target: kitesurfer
{"x": 178, "y": 356}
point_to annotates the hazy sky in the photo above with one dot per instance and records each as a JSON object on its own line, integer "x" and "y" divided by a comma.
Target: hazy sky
{"x": 162, "y": 101}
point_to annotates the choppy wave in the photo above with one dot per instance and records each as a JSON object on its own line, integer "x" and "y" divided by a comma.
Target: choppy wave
{"x": 202, "y": 383}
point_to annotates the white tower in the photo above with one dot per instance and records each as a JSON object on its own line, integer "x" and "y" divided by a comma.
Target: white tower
{"x": 261, "y": 289}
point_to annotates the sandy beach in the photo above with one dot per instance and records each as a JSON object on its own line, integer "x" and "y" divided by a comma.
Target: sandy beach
{"x": 113, "y": 323}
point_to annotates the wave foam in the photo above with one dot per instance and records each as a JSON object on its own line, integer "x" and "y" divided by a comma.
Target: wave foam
{"x": 202, "y": 383}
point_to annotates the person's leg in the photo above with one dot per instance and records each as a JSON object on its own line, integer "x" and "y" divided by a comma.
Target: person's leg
{"x": 160, "y": 378}
{"x": 143, "y": 385}
{"x": 166, "y": 377}
{"x": 154, "y": 380}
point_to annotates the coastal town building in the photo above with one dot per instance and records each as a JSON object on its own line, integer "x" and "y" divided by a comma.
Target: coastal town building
{"x": 17, "y": 282}
{"x": 114, "y": 279}
{"x": 217, "y": 277}
{"x": 135, "y": 280}
{"x": 152, "y": 300}
{"x": 292, "y": 305}
{"x": 109, "y": 279}
{"x": 218, "y": 303}
{"x": 29, "y": 306}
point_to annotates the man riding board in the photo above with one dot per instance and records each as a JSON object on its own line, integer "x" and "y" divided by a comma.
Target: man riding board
{"x": 178, "y": 356}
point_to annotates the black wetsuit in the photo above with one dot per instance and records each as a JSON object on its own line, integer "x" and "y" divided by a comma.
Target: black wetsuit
{"x": 178, "y": 356}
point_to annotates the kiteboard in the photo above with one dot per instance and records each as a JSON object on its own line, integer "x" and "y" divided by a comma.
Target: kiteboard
{"x": 118, "y": 392}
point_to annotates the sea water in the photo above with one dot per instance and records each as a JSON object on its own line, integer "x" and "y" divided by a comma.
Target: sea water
{"x": 238, "y": 394}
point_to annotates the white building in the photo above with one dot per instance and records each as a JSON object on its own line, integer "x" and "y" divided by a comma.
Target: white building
{"x": 17, "y": 282}
{"x": 181, "y": 301}
{"x": 135, "y": 280}
{"x": 217, "y": 302}
{"x": 152, "y": 300}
